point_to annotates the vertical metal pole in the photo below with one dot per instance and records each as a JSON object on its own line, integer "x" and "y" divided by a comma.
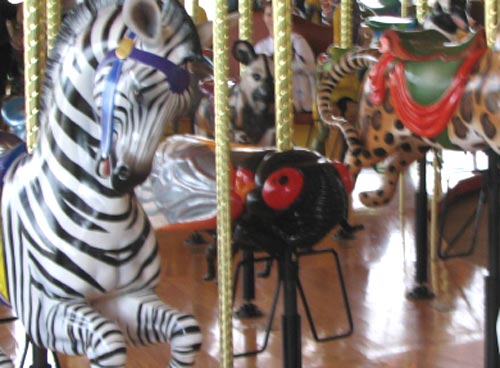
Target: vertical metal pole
{"x": 290, "y": 326}
{"x": 492, "y": 279}
{"x": 248, "y": 292}
{"x": 222, "y": 161}
{"x": 282, "y": 29}
{"x": 290, "y": 320}
{"x": 39, "y": 357}
{"x": 32, "y": 24}
{"x": 421, "y": 290}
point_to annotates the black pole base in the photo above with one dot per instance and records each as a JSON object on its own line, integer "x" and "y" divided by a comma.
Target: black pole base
{"x": 248, "y": 310}
{"x": 39, "y": 357}
{"x": 491, "y": 355}
{"x": 420, "y": 292}
{"x": 292, "y": 352}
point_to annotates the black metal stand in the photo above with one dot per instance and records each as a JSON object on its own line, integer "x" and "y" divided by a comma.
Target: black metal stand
{"x": 492, "y": 280}
{"x": 291, "y": 320}
{"x": 421, "y": 289}
{"x": 248, "y": 309}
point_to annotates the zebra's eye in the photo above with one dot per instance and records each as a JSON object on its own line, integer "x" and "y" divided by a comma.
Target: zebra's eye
{"x": 256, "y": 77}
{"x": 138, "y": 95}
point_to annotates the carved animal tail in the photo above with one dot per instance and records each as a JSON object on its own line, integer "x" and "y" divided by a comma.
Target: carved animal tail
{"x": 350, "y": 63}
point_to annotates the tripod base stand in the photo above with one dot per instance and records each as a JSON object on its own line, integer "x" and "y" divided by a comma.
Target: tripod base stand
{"x": 288, "y": 279}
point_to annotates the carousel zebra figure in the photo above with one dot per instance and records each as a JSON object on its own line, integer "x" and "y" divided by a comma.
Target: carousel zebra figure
{"x": 81, "y": 256}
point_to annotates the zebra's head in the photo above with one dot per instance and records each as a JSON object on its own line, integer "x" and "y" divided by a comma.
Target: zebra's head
{"x": 140, "y": 86}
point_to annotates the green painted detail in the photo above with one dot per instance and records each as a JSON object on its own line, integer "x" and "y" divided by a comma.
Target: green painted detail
{"x": 428, "y": 81}
{"x": 429, "y": 42}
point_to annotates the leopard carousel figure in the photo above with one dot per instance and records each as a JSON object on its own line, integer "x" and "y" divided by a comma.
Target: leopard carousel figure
{"x": 419, "y": 91}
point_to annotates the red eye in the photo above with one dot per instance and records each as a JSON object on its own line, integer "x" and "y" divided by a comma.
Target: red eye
{"x": 282, "y": 188}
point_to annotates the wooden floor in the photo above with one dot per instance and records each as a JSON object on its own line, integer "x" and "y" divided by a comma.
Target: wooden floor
{"x": 390, "y": 330}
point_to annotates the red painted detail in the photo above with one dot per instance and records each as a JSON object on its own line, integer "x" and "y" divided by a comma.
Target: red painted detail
{"x": 428, "y": 120}
{"x": 345, "y": 175}
{"x": 377, "y": 79}
{"x": 282, "y": 188}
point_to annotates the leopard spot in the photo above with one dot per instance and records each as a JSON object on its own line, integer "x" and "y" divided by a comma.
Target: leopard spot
{"x": 389, "y": 138}
{"x": 466, "y": 107}
{"x": 403, "y": 163}
{"x": 492, "y": 102}
{"x": 391, "y": 183}
{"x": 379, "y": 152}
{"x": 386, "y": 200}
{"x": 377, "y": 120}
{"x": 406, "y": 147}
{"x": 367, "y": 154}
{"x": 423, "y": 149}
{"x": 489, "y": 129}
{"x": 356, "y": 152}
{"x": 375, "y": 203}
{"x": 459, "y": 127}
{"x": 357, "y": 162}
{"x": 380, "y": 193}
{"x": 391, "y": 169}
{"x": 399, "y": 125}
{"x": 364, "y": 195}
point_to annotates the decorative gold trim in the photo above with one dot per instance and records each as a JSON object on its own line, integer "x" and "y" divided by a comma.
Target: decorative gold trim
{"x": 124, "y": 49}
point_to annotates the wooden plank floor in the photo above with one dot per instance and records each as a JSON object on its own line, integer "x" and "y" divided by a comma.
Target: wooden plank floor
{"x": 389, "y": 329}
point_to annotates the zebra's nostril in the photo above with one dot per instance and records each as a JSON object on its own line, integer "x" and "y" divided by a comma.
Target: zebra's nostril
{"x": 123, "y": 172}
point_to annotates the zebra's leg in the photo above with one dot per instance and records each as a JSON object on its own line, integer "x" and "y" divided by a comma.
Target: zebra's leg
{"x": 5, "y": 362}
{"x": 394, "y": 165}
{"x": 145, "y": 319}
{"x": 75, "y": 328}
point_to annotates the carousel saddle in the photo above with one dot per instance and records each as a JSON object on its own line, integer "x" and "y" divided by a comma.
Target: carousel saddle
{"x": 426, "y": 79}
{"x": 429, "y": 45}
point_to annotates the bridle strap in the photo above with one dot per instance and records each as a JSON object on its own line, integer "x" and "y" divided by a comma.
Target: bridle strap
{"x": 177, "y": 77}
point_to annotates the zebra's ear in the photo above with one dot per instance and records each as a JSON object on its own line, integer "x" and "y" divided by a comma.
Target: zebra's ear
{"x": 244, "y": 52}
{"x": 143, "y": 17}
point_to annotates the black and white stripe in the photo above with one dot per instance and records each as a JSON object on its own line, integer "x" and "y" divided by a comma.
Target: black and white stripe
{"x": 81, "y": 255}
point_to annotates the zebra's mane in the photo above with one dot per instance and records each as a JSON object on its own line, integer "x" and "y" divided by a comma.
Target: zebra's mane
{"x": 73, "y": 24}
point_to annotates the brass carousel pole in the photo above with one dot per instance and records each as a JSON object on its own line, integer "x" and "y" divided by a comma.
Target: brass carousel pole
{"x": 34, "y": 57}
{"x": 248, "y": 309}
{"x": 37, "y": 15}
{"x": 53, "y": 22}
{"x": 222, "y": 159}
{"x": 288, "y": 261}
{"x": 282, "y": 23}
{"x": 491, "y": 20}
{"x": 245, "y": 22}
{"x": 421, "y": 10}
{"x": 346, "y": 24}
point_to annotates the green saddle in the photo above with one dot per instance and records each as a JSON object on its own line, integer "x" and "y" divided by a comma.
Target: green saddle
{"x": 429, "y": 44}
{"x": 430, "y": 62}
